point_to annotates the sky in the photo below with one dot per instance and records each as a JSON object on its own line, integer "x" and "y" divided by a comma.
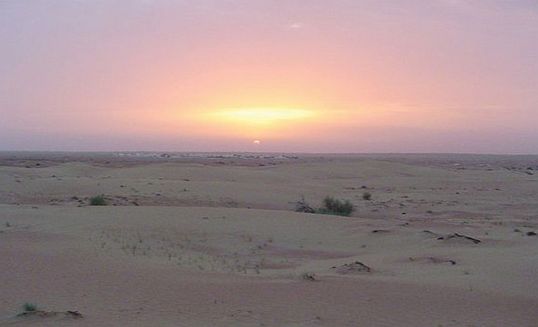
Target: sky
{"x": 458, "y": 76}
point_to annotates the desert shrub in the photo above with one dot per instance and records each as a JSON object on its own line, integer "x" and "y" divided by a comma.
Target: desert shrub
{"x": 303, "y": 206}
{"x": 367, "y": 196}
{"x": 338, "y": 207}
{"x": 98, "y": 200}
{"x": 29, "y": 307}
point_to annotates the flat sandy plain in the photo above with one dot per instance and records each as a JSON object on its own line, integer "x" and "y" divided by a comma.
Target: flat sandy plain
{"x": 213, "y": 240}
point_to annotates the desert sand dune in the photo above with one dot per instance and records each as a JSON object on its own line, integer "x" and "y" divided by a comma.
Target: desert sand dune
{"x": 193, "y": 243}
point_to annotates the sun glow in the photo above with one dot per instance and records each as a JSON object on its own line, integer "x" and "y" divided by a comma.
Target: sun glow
{"x": 263, "y": 116}
{"x": 255, "y": 123}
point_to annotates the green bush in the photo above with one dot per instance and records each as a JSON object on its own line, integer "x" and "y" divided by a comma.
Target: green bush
{"x": 338, "y": 207}
{"x": 29, "y": 307}
{"x": 98, "y": 200}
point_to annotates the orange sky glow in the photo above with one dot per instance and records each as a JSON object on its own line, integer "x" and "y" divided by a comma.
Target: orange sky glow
{"x": 316, "y": 76}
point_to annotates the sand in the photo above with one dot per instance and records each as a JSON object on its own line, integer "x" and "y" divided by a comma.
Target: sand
{"x": 213, "y": 240}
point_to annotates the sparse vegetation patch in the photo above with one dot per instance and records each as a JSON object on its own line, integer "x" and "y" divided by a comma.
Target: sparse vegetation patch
{"x": 98, "y": 200}
{"x": 303, "y": 206}
{"x": 330, "y": 206}
{"x": 29, "y": 307}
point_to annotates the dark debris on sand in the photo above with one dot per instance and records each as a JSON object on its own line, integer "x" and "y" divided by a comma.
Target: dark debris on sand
{"x": 460, "y": 236}
{"x": 49, "y": 314}
{"x": 352, "y": 268}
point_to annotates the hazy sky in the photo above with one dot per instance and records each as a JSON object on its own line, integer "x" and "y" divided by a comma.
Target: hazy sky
{"x": 296, "y": 75}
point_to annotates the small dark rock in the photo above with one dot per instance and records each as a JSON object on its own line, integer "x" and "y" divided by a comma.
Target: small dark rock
{"x": 380, "y": 231}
